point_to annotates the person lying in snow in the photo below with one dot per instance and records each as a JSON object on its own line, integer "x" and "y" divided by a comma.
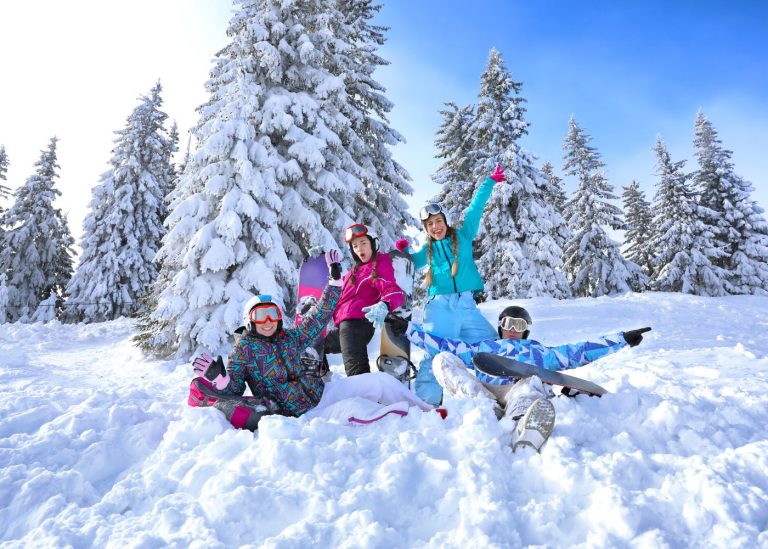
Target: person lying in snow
{"x": 267, "y": 360}
{"x": 523, "y": 400}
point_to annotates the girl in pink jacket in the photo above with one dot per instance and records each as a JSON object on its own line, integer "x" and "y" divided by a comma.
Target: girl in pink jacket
{"x": 369, "y": 293}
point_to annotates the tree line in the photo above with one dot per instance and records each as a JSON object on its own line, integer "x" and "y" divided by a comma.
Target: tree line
{"x": 293, "y": 145}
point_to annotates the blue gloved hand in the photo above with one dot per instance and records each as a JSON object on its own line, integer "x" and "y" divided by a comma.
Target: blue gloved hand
{"x": 375, "y": 314}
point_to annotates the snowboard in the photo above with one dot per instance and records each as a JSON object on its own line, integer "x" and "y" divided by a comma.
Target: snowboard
{"x": 499, "y": 366}
{"x": 313, "y": 278}
{"x": 395, "y": 351}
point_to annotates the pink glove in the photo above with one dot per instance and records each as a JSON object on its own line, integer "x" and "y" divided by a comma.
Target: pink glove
{"x": 402, "y": 244}
{"x": 212, "y": 370}
{"x": 498, "y": 175}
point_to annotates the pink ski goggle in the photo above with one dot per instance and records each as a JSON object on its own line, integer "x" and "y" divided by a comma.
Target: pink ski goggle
{"x": 353, "y": 231}
{"x": 263, "y": 313}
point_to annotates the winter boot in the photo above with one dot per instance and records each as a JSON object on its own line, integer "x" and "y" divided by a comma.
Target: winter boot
{"x": 536, "y": 425}
{"x": 522, "y": 395}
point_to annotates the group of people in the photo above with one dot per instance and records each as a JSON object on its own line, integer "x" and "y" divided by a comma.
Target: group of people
{"x": 266, "y": 356}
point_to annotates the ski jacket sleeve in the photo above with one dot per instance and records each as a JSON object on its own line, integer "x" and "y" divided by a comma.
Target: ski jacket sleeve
{"x": 474, "y": 212}
{"x": 419, "y": 258}
{"x": 573, "y": 355}
{"x": 435, "y": 344}
{"x": 312, "y": 325}
{"x": 389, "y": 292}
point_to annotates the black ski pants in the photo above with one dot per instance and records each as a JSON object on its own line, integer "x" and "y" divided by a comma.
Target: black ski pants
{"x": 351, "y": 340}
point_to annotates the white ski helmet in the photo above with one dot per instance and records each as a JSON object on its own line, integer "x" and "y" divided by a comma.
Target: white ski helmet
{"x": 262, "y": 299}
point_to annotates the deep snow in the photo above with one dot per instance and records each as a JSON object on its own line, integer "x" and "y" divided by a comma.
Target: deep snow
{"x": 98, "y": 448}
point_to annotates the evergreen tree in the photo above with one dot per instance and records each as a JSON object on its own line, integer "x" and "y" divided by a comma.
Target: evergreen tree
{"x": 124, "y": 228}
{"x": 685, "y": 250}
{"x": 554, "y": 192}
{"x": 593, "y": 260}
{"x": 3, "y": 299}
{"x": 737, "y": 222}
{"x": 518, "y": 253}
{"x": 36, "y": 252}
{"x": 5, "y": 192}
{"x": 454, "y": 146}
{"x": 354, "y": 57}
{"x": 278, "y": 157}
{"x": 639, "y": 223}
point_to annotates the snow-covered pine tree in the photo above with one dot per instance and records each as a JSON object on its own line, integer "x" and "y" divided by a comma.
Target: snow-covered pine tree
{"x": 555, "y": 195}
{"x": 274, "y": 174}
{"x": 518, "y": 254}
{"x": 639, "y": 221}
{"x": 3, "y": 298}
{"x": 5, "y": 192}
{"x": 737, "y": 221}
{"x": 124, "y": 228}
{"x": 685, "y": 251}
{"x": 36, "y": 251}
{"x": 454, "y": 146}
{"x": 593, "y": 260}
{"x": 354, "y": 57}
{"x": 554, "y": 191}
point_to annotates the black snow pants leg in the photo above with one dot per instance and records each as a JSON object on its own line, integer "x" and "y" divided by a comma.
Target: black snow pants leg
{"x": 351, "y": 340}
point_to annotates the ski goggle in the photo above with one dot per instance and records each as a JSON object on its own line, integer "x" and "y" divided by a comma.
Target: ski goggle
{"x": 353, "y": 231}
{"x": 263, "y": 313}
{"x": 509, "y": 324}
{"x": 430, "y": 209}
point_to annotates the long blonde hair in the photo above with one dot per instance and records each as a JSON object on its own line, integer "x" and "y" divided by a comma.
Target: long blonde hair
{"x": 454, "y": 265}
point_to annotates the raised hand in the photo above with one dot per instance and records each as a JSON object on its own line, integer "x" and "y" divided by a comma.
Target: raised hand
{"x": 376, "y": 314}
{"x": 402, "y": 244}
{"x": 212, "y": 370}
{"x": 334, "y": 267}
{"x": 634, "y": 337}
{"x": 498, "y": 175}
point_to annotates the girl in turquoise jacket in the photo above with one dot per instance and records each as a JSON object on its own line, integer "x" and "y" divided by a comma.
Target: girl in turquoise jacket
{"x": 452, "y": 278}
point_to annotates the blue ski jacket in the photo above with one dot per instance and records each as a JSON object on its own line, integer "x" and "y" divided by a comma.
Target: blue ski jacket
{"x": 561, "y": 357}
{"x": 467, "y": 278}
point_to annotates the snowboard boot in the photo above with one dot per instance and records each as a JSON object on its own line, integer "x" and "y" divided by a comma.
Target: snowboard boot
{"x": 522, "y": 395}
{"x": 536, "y": 425}
{"x": 456, "y": 380}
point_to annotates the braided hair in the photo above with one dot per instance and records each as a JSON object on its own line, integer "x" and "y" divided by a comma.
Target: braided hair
{"x": 358, "y": 263}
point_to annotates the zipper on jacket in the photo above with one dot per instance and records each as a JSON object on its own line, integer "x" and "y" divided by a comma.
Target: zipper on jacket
{"x": 453, "y": 279}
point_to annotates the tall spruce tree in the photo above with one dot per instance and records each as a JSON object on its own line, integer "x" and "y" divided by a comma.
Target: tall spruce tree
{"x": 738, "y": 224}
{"x": 639, "y": 221}
{"x": 554, "y": 191}
{"x": 454, "y": 145}
{"x": 280, "y": 168}
{"x": 354, "y": 57}
{"x": 5, "y": 192}
{"x": 593, "y": 260}
{"x": 124, "y": 228}
{"x": 518, "y": 253}
{"x": 36, "y": 252}
{"x": 685, "y": 251}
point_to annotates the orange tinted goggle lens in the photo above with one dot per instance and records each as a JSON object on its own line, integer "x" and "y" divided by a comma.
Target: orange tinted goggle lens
{"x": 354, "y": 231}
{"x": 262, "y": 313}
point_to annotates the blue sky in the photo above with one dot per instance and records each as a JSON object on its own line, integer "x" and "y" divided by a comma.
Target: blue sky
{"x": 628, "y": 71}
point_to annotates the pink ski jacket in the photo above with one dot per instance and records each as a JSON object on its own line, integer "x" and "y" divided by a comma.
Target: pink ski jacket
{"x": 368, "y": 291}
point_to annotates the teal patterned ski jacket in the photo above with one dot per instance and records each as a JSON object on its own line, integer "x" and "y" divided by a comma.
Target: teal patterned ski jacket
{"x": 562, "y": 357}
{"x": 271, "y": 367}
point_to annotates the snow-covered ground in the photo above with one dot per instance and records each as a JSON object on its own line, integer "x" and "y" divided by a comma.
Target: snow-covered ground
{"x": 99, "y": 449}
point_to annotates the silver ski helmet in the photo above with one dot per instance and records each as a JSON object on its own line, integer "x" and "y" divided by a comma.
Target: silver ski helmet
{"x": 262, "y": 301}
{"x": 515, "y": 313}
